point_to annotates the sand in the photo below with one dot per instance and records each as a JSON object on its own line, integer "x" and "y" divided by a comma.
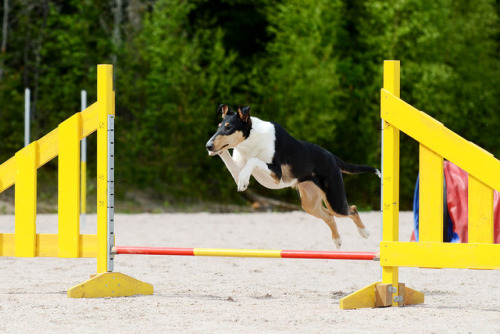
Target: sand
{"x": 243, "y": 295}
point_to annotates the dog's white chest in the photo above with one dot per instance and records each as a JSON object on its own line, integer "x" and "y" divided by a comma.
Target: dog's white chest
{"x": 260, "y": 143}
{"x": 252, "y": 156}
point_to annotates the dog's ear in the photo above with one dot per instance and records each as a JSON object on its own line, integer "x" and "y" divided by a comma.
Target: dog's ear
{"x": 244, "y": 113}
{"x": 225, "y": 110}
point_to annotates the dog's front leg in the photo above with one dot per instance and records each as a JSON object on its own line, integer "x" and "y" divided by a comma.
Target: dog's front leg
{"x": 231, "y": 165}
{"x": 246, "y": 171}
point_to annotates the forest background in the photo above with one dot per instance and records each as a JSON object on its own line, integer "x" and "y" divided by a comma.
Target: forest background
{"x": 314, "y": 66}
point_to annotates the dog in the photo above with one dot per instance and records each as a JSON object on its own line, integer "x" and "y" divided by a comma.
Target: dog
{"x": 277, "y": 160}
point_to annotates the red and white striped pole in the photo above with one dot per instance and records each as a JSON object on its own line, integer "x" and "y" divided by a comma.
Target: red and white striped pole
{"x": 263, "y": 253}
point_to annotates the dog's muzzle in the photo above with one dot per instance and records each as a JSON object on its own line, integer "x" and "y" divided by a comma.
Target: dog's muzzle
{"x": 210, "y": 148}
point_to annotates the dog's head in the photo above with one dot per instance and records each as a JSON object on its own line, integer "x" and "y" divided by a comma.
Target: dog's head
{"x": 234, "y": 128}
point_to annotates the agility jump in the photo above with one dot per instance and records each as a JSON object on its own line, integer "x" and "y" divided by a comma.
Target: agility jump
{"x": 436, "y": 142}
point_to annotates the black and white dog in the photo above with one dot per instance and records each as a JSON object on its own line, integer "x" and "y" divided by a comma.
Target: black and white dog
{"x": 277, "y": 160}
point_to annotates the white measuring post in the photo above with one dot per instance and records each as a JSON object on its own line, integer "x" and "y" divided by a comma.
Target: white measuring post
{"x": 83, "y": 169}
{"x": 111, "y": 190}
{"x": 27, "y": 107}
{"x": 381, "y": 187}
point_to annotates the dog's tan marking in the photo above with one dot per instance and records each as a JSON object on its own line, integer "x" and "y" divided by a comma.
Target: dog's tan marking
{"x": 275, "y": 177}
{"x": 230, "y": 140}
{"x": 243, "y": 117}
{"x": 224, "y": 110}
{"x": 286, "y": 173}
{"x": 353, "y": 214}
{"x": 312, "y": 198}
{"x": 227, "y": 124}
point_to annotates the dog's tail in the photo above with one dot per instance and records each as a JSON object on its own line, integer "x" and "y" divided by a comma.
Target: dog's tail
{"x": 348, "y": 168}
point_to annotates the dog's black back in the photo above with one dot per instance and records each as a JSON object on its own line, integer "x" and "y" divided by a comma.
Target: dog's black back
{"x": 310, "y": 162}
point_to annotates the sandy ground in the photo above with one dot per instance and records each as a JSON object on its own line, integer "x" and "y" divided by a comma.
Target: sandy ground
{"x": 243, "y": 295}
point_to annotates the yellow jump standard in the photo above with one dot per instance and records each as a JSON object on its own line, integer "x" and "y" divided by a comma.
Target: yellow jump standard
{"x": 436, "y": 143}
{"x": 64, "y": 143}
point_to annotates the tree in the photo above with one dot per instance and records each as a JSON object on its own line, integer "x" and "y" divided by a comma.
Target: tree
{"x": 313, "y": 83}
{"x": 450, "y": 67}
{"x": 5, "y": 29}
{"x": 178, "y": 76}
{"x": 297, "y": 81}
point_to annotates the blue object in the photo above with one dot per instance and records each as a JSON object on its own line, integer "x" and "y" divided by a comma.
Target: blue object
{"x": 448, "y": 234}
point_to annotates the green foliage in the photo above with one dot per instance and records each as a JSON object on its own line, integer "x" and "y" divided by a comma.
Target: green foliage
{"x": 11, "y": 116}
{"x": 298, "y": 81}
{"x": 59, "y": 61}
{"x": 450, "y": 66}
{"x": 180, "y": 74}
{"x": 313, "y": 66}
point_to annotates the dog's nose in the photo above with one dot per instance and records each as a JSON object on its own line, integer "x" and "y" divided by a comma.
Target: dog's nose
{"x": 210, "y": 146}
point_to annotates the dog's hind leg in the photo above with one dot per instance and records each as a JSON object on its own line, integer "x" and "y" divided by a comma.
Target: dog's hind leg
{"x": 353, "y": 214}
{"x": 312, "y": 198}
{"x": 336, "y": 202}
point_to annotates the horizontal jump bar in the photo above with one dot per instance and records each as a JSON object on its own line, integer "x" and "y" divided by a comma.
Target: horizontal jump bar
{"x": 268, "y": 253}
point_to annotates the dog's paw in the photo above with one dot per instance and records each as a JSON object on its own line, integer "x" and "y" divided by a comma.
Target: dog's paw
{"x": 243, "y": 183}
{"x": 364, "y": 232}
{"x": 337, "y": 242}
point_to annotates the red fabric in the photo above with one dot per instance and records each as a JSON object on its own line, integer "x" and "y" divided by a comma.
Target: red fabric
{"x": 457, "y": 201}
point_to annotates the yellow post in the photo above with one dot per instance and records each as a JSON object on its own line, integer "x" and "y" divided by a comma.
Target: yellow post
{"x": 105, "y": 108}
{"x": 83, "y": 196}
{"x": 390, "y": 198}
{"x": 431, "y": 196}
{"x": 390, "y": 175}
{"x": 69, "y": 187}
{"x": 25, "y": 200}
{"x": 480, "y": 212}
